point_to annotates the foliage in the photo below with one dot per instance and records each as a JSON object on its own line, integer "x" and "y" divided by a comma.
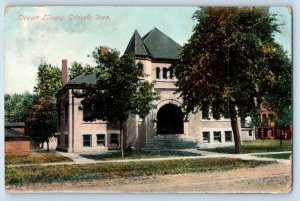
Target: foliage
{"x": 78, "y": 69}
{"x": 118, "y": 92}
{"x": 41, "y": 120}
{"x": 231, "y": 54}
{"x": 17, "y": 106}
{"x": 37, "y": 158}
{"x": 276, "y": 156}
{"x": 48, "y": 81}
{"x": 139, "y": 154}
{"x": 42, "y": 117}
{"x": 63, "y": 173}
{"x": 257, "y": 146}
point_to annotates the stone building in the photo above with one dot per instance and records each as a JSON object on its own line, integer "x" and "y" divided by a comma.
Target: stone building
{"x": 157, "y": 52}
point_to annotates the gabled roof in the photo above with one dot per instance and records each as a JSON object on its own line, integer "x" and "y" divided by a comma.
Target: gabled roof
{"x": 160, "y": 45}
{"x": 136, "y": 45}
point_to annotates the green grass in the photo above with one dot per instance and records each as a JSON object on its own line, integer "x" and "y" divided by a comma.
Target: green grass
{"x": 276, "y": 156}
{"x": 138, "y": 154}
{"x": 37, "y": 158}
{"x": 257, "y": 146}
{"x": 61, "y": 173}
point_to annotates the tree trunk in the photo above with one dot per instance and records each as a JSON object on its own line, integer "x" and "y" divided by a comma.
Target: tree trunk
{"x": 236, "y": 134}
{"x": 47, "y": 145}
{"x": 281, "y": 137}
{"x": 122, "y": 138}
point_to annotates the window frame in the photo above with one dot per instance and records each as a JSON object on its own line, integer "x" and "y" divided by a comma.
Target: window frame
{"x": 157, "y": 73}
{"x": 208, "y": 136}
{"x": 220, "y": 137}
{"x": 226, "y": 132}
{"x": 115, "y": 138}
{"x": 104, "y": 139}
{"x": 165, "y": 73}
{"x": 90, "y": 140}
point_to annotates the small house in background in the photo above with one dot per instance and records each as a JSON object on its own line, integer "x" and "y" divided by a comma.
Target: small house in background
{"x": 16, "y": 143}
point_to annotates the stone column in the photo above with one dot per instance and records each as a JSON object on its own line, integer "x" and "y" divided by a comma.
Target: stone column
{"x": 186, "y": 125}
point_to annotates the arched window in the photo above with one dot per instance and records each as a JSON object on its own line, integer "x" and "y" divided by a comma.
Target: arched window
{"x": 165, "y": 73}
{"x": 171, "y": 73}
{"x": 157, "y": 73}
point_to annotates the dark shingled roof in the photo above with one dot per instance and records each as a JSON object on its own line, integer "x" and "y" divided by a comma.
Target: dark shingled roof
{"x": 84, "y": 78}
{"x": 160, "y": 45}
{"x": 136, "y": 45}
{"x": 11, "y": 134}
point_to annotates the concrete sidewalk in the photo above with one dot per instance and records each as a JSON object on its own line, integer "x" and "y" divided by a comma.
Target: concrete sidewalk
{"x": 77, "y": 159}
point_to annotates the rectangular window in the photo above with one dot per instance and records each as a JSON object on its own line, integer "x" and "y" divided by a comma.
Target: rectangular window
{"x": 66, "y": 140}
{"x": 114, "y": 138}
{"x": 250, "y": 133}
{"x": 66, "y": 113}
{"x": 58, "y": 140}
{"x": 217, "y": 136}
{"x": 100, "y": 139}
{"x": 206, "y": 136}
{"x": 87, "y": 140}
{"x": 228, "y": 136}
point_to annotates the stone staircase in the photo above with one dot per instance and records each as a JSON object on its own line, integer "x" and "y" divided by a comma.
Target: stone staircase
{"x": 171, "y": 141}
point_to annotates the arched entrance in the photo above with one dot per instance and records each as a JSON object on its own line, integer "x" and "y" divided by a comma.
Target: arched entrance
{"x": 169, "y": 120}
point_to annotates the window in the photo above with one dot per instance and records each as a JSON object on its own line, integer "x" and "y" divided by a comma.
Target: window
{"x": 171, "y": 73}
{"x": 157, "y": 73}
{"x": 217, "y": 136}
{"x": 66, "y": 140}
{"x": 114, "y": 138}
{"x": 100, "y": 139}
{"x": 58, "y": 140}
{"x": 250, "y": 133}
{"x": 205, "y": 113}
{"x": 165, "y": 73}
{"x": 205, "y": 136}
{"x": 228, "y": 136}
{"x": 87, "y": 140}
{"x": 66, "y": 113}
{"x": 264, "y": 119}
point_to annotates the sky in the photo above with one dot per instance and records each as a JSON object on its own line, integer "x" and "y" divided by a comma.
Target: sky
{"x": 27, "y": 43}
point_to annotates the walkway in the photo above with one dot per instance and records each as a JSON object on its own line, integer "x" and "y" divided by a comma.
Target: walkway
{"x": 77, "y": 159}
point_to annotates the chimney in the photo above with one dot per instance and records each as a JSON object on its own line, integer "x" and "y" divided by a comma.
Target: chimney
{"x": 104, "y": 49}
{"x": 64, "y": 73}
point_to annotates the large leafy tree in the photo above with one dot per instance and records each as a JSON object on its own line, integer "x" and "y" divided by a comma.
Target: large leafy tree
{"x": 118, "y": 92}
{"x": 42, "y": 117}
{"x": 17, "y": 106}
{"x": 232, "y": 64}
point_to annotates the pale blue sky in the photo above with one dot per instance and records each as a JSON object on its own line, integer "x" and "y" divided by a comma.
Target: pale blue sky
{"x": 27, "y": 43}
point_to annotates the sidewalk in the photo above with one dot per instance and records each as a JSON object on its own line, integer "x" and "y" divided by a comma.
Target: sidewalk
{"x": 77, "y": 159}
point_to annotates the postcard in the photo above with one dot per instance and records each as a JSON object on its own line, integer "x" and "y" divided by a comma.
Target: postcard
{"x": 134, "y": 99}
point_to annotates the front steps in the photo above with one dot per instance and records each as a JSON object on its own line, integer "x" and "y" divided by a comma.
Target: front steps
{"x": 170, "y": 141}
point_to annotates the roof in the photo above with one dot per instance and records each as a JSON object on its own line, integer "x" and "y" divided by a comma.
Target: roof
{"x": 84, "y": 78}
{"x": 155, "y": 44}
{"x": 14, "y": 124}
{"x": 136, "y": 45}
{"x": 15, "y": 135}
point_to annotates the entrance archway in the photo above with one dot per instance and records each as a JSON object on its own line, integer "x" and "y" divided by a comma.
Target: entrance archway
{"x": 169, "y": 120}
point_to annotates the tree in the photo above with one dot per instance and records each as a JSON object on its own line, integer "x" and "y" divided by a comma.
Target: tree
{"x": 118, "y": 92}
{"x": 48, "y": 81}
{"x": 41, "y": 121}
{"x": 78, "y": 69}
{"x": 17, "y": 106}
{"x": 42, "y": 117}
{"x": 227, "y": 62}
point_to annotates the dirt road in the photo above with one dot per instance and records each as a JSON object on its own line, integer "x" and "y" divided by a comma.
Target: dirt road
{"x": 275, "y": 178}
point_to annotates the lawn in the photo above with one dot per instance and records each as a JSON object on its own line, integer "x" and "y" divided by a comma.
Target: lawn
{"x": 276, "y": 156}
{"x": 138, "y": 154}
{"x": 61, "y": 173}
{"x": 257, "y": 146}
{"x": 37, "y": 158}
